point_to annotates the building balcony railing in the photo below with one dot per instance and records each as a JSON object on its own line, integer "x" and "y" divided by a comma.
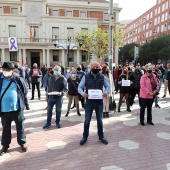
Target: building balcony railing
{"x": 35, "y": 40}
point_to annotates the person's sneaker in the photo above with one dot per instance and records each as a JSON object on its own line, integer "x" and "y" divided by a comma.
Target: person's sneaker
{"x": 163, "y": 96}
{"x": 157, "y": 106}
{"x": 47, "y": 125}
{"x": 79, "y": 113}
{"x": 150, "y": 123}
{"x": 83, "y": 141}
{"x": 3, "y": 150}
{"x": 27, "y": 107}
{"x": 58, "y": 125}
{"x": 39, "y": 98}
{"x": 73, "y": 107}
{"x": 24, "y": 148}
{"x": 32, "y": 99}
{"x": 103, "y": 140}
{"x": 67, "y": 114}
{"x": 143, "y": 124}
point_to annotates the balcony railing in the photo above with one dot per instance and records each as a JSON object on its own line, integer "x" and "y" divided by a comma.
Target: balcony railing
{"x": 36, "y": 40}
{"x": 28, "y": 40}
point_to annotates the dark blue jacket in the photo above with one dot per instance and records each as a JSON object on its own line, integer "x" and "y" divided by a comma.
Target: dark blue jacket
{"x": 94, "y": 82}
{"x": 35, "y": 79}
{"x": 21, "y": 89}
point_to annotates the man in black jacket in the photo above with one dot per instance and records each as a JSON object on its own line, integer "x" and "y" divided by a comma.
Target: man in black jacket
{"x": 135, "y": 77}
{"x": 35, "y": 75}
{"x": 13, "y": 93}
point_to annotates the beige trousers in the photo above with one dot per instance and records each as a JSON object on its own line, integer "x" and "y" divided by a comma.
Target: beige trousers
{"x": 70, "y": 99}
{"x": 106, "y": 104}
{"x": 165, "y": 86}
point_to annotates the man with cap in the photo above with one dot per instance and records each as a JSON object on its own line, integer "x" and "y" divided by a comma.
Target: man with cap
{"x": 14, "y": 90}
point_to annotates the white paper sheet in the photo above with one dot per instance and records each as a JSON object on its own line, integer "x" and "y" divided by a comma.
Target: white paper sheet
{"x": 54, "y": 93}
{"x": 125, "y": 82}
{"x": 95, "y": 94}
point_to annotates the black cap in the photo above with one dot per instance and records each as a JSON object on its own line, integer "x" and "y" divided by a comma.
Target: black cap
{"x": 8, "y": 65}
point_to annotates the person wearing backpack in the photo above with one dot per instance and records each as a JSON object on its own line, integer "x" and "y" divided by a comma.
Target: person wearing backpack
{"x": 14, "y": 90}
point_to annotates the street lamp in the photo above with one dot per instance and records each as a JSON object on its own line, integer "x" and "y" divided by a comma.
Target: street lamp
{"x": 68, "y": 50}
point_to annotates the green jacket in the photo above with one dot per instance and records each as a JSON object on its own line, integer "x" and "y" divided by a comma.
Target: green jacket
{"x": 165, "y": 73}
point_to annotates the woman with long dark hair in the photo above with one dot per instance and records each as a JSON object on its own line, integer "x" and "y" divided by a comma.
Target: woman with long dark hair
{"x": 124, "y": 90}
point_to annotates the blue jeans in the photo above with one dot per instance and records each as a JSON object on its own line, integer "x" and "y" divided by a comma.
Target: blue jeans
{"x": 6, "y": 120}
{"x": 57, "y": 101}
{"x": 91, "y": 105}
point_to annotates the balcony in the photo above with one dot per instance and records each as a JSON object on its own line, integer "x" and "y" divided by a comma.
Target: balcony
{"x": 35, "y": 41}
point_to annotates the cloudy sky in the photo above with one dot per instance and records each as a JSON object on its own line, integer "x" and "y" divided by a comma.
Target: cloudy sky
{"x": 131, "y": 9}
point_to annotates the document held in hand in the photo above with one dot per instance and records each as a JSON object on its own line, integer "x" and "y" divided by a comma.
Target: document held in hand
{"x": 125, "y": 82}
{"x": 54, "y": 93}
{"x": 95, "y": 94}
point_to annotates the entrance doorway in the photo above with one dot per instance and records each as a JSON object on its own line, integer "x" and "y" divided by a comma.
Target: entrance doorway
{"x": 35, "y": 58}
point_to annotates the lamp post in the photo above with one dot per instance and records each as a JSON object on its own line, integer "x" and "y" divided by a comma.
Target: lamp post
{"x": 110, "y": 34}
{"x": 68, "y": 50}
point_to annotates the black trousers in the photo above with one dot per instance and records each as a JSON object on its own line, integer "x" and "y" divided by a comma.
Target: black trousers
{"x": 6, "y": 121}
{"x": 146, "y": 103}
{"x": 133, "y": 93}
{"x": 38, "y": 89}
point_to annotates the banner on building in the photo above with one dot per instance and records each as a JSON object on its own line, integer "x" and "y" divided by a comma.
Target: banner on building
{"x": 32, "y": 33}
{"x": 64, "y": 46}
{"x": 12, "y": 42}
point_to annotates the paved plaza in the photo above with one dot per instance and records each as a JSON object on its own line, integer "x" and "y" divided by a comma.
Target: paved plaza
{"x": 131, "y": 146}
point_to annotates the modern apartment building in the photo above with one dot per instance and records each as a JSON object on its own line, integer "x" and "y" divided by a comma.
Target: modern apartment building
{"x": 151, "y": 24}
{"x": 39, "y": 24}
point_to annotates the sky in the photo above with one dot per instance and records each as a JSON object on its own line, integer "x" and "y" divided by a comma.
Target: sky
{"x": 132, "y": 9}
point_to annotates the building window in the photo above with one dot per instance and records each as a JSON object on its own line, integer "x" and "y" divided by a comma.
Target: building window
{"x": 70, "y": 33}
{"x": 158, "y": 9}
{"x": 54, "y": 12}
{"x": 13, "y": 56}
{"x": 14, "y": 10}
{"x": 84, "y": 30}
{"x": 69, "y": 13}
{"x": 12, "y": 30}
{"x": 55, "y": 33}
{"x": 71, "y": 55}
{"x": 169, "y": 26}
{"x": 163, "y": 17}
{"x": 56, "y": 56}
{"x": 106, "y": 17}
{"x": 84, "y": 56}
{"x": 1, "y": 10}
{"x": 82, "y": 14}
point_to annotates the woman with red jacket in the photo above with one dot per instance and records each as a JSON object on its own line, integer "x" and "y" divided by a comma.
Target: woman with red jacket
{"x": 148, "y": 89}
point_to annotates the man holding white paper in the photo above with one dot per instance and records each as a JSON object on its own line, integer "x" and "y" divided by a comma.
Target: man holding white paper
{"x": 57, "y": 87}
{"x": 94, "y": 82}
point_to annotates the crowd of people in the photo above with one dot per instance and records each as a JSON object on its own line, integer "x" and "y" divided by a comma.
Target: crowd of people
{"x": 93, "y": 87}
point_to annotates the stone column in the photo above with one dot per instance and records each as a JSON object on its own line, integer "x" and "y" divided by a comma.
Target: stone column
{"x": 63, "y": 57}
{"x": 48, "y": 58}
{"x": 44, "y": 61}
{"x": 20, "y": 56}
{"x": 3, "y": 55}
{"x": 78, "y": 57}
{"x": 24, "y": 56}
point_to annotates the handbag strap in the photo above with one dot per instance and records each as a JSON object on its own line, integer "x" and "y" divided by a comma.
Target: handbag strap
{"x": 4, "y": 93}
{"x": 73, "y": 84}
